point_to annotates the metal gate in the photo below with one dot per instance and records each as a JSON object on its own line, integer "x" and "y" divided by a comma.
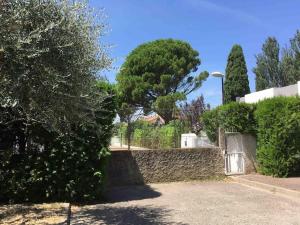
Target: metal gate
{"x": 234, "y": 163}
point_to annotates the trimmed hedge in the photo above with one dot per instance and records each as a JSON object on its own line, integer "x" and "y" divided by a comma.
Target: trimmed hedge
{"x": 278, "y": 151}
{"x": 233, "y": 117}
{"x": 275, "y": 122}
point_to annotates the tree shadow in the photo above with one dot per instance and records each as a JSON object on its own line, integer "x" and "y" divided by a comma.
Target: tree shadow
{"x": 115, "y": 215}
{"x": 129, "y": 193}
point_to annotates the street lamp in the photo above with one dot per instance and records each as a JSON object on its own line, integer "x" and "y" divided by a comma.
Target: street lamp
{"x": 220, "y": 75}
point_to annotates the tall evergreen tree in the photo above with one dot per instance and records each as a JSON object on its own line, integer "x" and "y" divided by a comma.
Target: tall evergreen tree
{"x": 288, "y": 66}
{"x": 275, "y": 70}
{"x": 293, "y": 75}
{"x": 268, "y": 70}
{"x": 236, "y": 82}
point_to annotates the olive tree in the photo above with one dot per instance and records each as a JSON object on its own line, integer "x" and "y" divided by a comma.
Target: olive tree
{"x": 56, "y": 112}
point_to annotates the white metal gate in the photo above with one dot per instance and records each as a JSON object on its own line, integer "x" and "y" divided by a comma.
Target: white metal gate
{"x": 234, "y": 163}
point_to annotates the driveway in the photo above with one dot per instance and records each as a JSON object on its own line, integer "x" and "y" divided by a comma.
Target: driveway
{"x": 198, "y": 203}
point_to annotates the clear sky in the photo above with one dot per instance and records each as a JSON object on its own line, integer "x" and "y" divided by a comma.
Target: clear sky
{"x": 210, "y": 26}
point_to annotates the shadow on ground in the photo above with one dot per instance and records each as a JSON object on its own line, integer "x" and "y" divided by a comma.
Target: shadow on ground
{"x": 130, "y": 193}
{"x": 130, "y": 215}
{"x": 122, "y": 213}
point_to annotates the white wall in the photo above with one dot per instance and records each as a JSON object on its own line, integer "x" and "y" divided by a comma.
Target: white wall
{"x": 291, "y": 90}
{"x": 259, "y": 95}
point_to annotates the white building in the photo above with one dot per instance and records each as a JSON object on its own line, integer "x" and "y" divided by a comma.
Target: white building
{"x": 291, "y": 90}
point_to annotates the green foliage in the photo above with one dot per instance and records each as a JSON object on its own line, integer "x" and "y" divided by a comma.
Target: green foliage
{"x": 170, "y": 134}
{"x": 50, "y": 57}
{"x": 293, "y": 55}
{"x": 275, "y": 122}
{"x": 278, "y": 152}
{"x": 166, "y": 107}
{"x": 210, "y": 124}
{"x": 268, "y": 72}
{"x": 152, "y": 136}
{"x": 236, "y": 80}
{"x": 275, "y": 70}
{"x": 157, "y": 69}
{"x": 233, "y": 117}
{"x": 59, "y": 167}
{"x": 55, "y": 115}
{"x": 63, "y": 172}
{"x": 237, "y": 117}
{"x": 191, "y": 113}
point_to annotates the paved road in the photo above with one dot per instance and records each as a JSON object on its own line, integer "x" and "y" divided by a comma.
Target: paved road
{"x": 216, "y": 203}
{"x": 291, "y": 183}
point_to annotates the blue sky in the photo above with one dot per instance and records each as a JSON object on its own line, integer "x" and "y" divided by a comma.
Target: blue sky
{"x": 210, "y": 26}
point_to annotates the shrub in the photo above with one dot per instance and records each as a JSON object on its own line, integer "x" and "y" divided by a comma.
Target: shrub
{"x": 278, "y": 151}
{"x": 275, "y": 122}
{"x": 57, "y": 167}
{"x": 170, "y": 134}
{"x": 211, "y": 123}
{"x": 237, "y": 117}
{"x": 151, "y": 136}
{"x": 233, "y": 117}
{"x": 55, "y": 117}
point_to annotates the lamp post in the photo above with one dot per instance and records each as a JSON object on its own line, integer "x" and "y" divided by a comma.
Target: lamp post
{"x": 220, "y": 75}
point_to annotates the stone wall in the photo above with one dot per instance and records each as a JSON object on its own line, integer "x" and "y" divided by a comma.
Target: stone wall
{"x": 152, "y": 166}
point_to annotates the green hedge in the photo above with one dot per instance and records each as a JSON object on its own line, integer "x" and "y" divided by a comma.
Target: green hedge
{"x": 233, "y": 117}
{"x": 278, "y": 151}
{"x": 275, "y": 122}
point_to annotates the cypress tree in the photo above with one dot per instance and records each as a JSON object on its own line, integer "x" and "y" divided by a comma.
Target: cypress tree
{"x": 236, "y": 80}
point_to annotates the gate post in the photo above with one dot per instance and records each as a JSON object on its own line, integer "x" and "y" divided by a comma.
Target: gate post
{"x": 222, "y": 147}
{"x": 222, "y": 141}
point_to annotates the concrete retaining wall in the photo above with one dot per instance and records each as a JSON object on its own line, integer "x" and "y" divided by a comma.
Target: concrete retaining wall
{"x": 153, "y": 166}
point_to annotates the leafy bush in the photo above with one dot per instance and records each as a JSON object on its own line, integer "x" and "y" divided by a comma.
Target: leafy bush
{"x": 275, "y": 122}
{"x": 237, "y": 117}
{"x": 278, "y": 151}
{"x": 211, "y": 123}
{"x": 55, "y": 113}
{"x": 56, "y": 167}
{"x": 233, "y": 117}
{"x": 170, "y": 134}
{"x": 151, "y": 136}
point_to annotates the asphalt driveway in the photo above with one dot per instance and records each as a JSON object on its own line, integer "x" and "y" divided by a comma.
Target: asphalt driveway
{"x": 190, "y": 203}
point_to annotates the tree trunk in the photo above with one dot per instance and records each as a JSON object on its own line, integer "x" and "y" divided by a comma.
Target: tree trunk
{"x": 129, "y": 134}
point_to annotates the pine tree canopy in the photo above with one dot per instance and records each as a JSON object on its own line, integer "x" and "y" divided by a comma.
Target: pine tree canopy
{"x": 157, "y": 72}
